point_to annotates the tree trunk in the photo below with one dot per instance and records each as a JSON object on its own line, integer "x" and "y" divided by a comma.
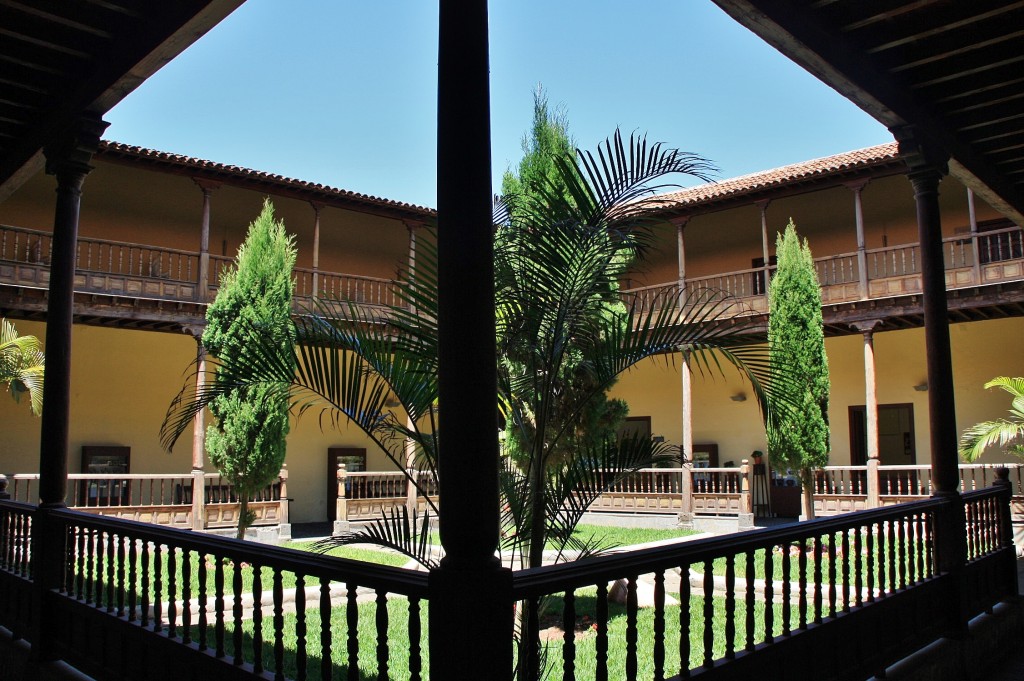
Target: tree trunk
{"x": 243, "y": 513}
{"x": 807, "y": 494}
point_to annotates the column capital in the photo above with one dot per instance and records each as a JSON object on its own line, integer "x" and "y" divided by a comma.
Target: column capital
{"x": 868, "y": 326}
{"x": 413, "y": 225}
{"x": 921, "y": 156}
{"x": 194, "y": 330}
{"x": 680, "y": 221}
{"x": 206, "y": 185}
{"x": 763, "y": 204}
{"x": 72, "y": 151}
{"x": 857, "y": 185}
{"x": 317, "y": 206}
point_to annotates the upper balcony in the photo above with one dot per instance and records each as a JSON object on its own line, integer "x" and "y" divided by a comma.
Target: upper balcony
{"x": 120, "y": 283}
{"x": 882, "y": 282}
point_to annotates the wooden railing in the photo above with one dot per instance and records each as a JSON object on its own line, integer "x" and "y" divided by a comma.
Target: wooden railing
{"x": 127, "y": 596}
{"x": 892, "y": 270}
{"x": 118, "y": 268}
{"x": 225, "y": 607}
{"x": 194, "y": 501}
{"x": 366, "y": 495}
{"x": 752, "y": 599}
{"x": 841, "y": 489}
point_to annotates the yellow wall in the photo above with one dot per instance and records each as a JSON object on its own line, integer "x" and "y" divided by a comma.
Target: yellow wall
{"x": 157, "y": 209}
{"x": 981, "y": 350}
{"x": 729, "y": 240}
{"x": 122, "y": 383}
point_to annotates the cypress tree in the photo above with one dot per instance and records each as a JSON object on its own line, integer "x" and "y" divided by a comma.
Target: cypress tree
{"x": 247, "y": 442}
{"x": 799, "y": 439}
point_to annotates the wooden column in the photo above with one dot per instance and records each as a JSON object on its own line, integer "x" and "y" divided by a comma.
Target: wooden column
{"x": 867, "y": 328}
{"x": 203, "y": 292}
{"x": 680, "y": 224}
{"x": 686, "y": 515}
{"x": 68, "y": 158}
{"x": 763, "y": 206}
{"x": 862, "y": 256}
{"x": 927, "y": 166}
{"x": 470, "y": 579}
{"x": 686, "y": 446}
{"x": 317, "y": 207}
{"x": 199, "y": 436}
{"x": 975, "y": 253}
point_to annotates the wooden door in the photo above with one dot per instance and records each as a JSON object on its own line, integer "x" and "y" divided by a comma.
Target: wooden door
{"x": 354, "y": 459}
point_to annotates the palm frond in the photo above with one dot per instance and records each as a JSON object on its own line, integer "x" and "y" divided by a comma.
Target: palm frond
{"x": 1005, "y": 433}
{"x": 402, "y": 531}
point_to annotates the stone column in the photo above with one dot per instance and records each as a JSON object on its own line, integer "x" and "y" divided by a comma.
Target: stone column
{"x": 867, "y": 328}
{"x": 470, "y": 579}
{"x": 317, "y": 207}
{"x": 862, "y": 256}
{"x": 763, "y": 206}
{"x": 68, "y": 158}
{"x": 203, "y": 294}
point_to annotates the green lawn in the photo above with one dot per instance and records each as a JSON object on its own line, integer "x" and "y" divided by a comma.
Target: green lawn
{"x": 101, "y": 579}
{"x": 614, "y": 536}
{"x": 586, "y": 647}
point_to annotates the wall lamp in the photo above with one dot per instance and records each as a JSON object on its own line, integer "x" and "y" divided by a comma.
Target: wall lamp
{"x": 739, "y": 397}
{"x": 921, "y": 387}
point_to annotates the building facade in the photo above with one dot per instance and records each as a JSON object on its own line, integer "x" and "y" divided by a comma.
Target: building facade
{"x": 156, "y": 228}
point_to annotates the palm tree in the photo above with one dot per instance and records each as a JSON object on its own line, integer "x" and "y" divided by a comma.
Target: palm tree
{"x": 557, "y": 264}
{"x": 1008, "y": 433}
{"x": 22, "y": 365}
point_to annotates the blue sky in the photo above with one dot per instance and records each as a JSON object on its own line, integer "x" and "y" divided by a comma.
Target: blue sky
{"x": 343, "y": 92}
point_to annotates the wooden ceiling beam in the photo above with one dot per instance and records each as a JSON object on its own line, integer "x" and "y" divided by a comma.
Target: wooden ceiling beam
{"x": 964, "y": 65}
{"x": 808, "y": 38}
{"x": 944, "y": 18}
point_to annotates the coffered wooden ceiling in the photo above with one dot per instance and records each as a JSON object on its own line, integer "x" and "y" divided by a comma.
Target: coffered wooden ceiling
{"x": 59, "y": 58}
{"x": 952, "y": 68}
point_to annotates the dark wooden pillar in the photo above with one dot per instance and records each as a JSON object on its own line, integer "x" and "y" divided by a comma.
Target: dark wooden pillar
{"x": 67, "y": 158}
{"x": 470, "y": 592}
{"x": 927, "y": 166}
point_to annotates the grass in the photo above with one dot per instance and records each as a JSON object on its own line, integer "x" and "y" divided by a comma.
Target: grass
{"x": 882, "y": 571}
{"x": 585, "y": 658}
{"x": 100, "y": 578}
{"x": 613, "y": 536}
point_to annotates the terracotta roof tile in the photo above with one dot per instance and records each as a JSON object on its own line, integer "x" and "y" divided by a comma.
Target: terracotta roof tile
{"x": 883, "y": 154}
{"x": 211, "y": 168}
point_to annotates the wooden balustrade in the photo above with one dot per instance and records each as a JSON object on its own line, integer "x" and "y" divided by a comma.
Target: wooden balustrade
{"x": 841, "y": 489}
{"x": 121, "y": 268}
{"x": 217, "y": 606}
{"x": 169, "y": 500}
{"x": 227, "y": 607}
{"x": 742, "y": 595}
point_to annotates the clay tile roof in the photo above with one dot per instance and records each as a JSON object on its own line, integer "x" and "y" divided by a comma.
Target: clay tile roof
{"x": 845, "y": 164}
{"x": 246, "y": 177}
